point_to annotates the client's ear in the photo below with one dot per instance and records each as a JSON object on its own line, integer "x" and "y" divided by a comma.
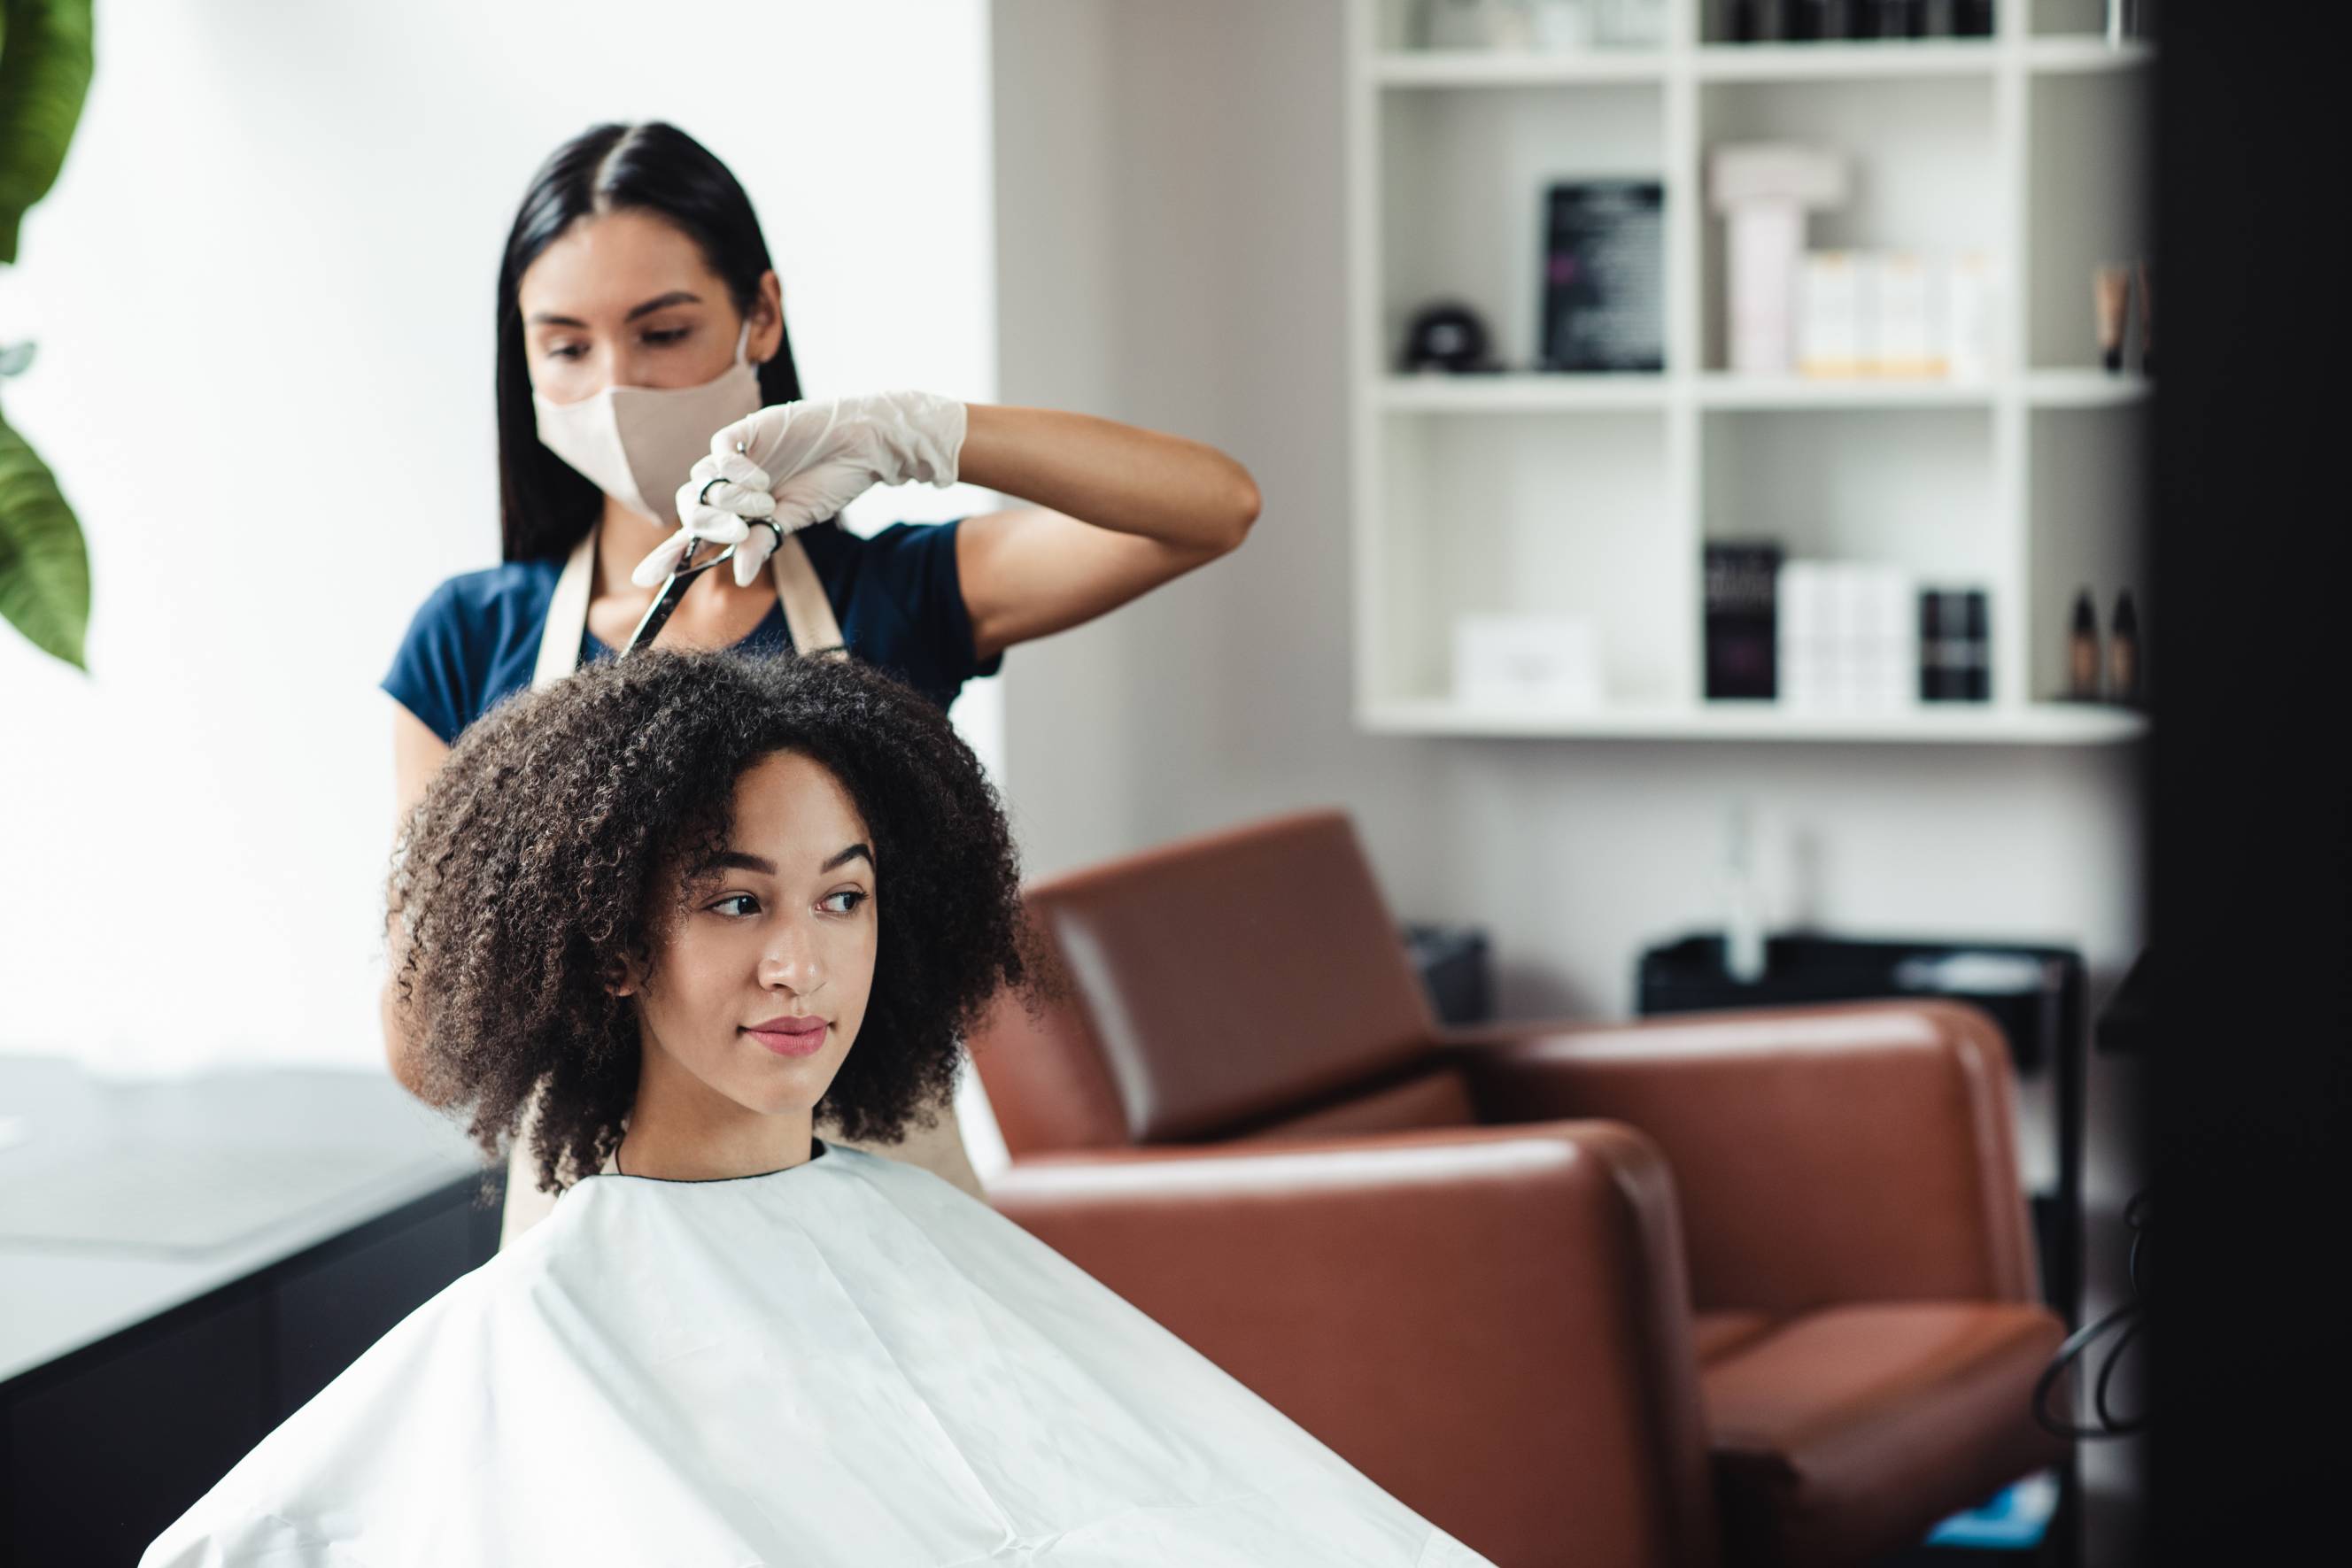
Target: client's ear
{"x": 622, "y": 976}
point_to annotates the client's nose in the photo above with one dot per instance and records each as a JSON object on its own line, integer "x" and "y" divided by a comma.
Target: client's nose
{"x": 791, "y": 962}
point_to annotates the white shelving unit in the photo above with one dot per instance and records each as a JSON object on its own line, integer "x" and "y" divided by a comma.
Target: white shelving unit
{"x": 1596, "y": 495}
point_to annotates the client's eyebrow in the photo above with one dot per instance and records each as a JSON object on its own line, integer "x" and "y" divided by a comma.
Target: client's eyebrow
{"x": 736, "y": 860}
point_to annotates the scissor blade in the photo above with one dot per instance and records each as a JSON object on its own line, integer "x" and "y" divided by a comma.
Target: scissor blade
{"x": 658, "y": 613}
{"x": 673, "y": 589}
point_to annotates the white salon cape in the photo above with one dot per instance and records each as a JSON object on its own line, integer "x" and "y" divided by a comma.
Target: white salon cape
{"x": 848, "y": 1362}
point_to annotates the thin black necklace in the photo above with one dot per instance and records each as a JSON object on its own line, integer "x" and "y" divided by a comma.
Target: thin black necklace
{"x": 816, "y": 1149}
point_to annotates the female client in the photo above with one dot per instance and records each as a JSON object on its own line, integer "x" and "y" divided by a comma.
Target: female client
{"x": 689, "y": 901}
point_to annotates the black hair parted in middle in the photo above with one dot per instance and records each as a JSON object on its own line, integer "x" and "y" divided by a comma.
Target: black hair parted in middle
{"x": 550, "y": 850}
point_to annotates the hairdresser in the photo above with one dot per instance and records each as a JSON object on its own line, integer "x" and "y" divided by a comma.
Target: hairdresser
{"x": 640, "y": 331}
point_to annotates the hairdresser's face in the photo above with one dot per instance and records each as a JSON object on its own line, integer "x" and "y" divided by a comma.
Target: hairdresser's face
{"x": 628, "y": 298}
{"x": 779, "y": 932}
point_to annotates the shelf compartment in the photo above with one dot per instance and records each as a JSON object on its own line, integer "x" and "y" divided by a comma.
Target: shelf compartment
{"x": 1461, "y": 192}
{"x": 1529, "y": 514}
{"x": 2086, "y": 194}
{"x": 1924, "y": 175}
{"x": 2087, "y": 494}
{"x": 1905, "y": 487}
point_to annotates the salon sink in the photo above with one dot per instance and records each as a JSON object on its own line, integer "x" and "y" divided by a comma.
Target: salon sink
{"x": 2034, "y": 993}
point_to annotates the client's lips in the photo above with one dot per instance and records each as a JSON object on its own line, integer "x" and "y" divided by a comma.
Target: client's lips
{"x": 800, "y": 1034}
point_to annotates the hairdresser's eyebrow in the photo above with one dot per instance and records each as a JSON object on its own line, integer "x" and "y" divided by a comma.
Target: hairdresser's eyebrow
{"x": 854, "y": 852}
{"x": 663, "y": 302}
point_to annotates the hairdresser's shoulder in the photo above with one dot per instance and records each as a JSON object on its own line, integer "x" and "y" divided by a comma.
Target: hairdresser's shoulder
{"x": 488, "y": 615}
{"x": 508, "y": 585}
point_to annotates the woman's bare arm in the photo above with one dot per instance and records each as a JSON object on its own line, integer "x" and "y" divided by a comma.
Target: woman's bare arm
{"x": 1118, "y": 511}
{"x": 416, "y": 755}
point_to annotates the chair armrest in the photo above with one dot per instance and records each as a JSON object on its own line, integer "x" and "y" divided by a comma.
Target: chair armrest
{"x": 1848, "y": 1152}
{"x": 1492, "y": 1323}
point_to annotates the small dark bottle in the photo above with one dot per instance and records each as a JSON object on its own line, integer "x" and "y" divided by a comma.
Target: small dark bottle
{"x": 1743, "y": 21}
{"x": 2083, "y": 651}
{"x": 1805, "y": 18}
{"x": 2123, "y": 653}
{"x": 1976, "y": 641}
{"x": 1931, "y": 646}
{"x": 1843, "y": 18}
{"x": 1972, "y": 19}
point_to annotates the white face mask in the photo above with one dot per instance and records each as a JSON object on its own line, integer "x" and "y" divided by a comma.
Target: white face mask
{"x": 639, "y": 444}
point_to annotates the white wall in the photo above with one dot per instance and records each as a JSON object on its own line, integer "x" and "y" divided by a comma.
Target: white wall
{"x": 263, "y": 293}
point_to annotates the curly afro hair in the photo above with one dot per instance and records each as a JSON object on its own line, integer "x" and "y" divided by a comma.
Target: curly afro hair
{"x": 546, "y": 858}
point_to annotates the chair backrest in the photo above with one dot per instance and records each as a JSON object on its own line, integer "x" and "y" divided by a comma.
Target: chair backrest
{"x": 1213, "y": 986}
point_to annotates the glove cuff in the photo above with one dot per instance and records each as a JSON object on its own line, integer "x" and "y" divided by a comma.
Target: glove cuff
{"x": 925, "y": 434}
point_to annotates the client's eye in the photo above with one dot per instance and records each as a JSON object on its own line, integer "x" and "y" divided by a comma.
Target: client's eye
{"x": 854, "y": 897}
{"x": 749, "y": 904}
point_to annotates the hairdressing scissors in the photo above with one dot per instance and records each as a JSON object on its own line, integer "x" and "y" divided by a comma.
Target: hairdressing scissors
{"x": 680, "y": 578}
{"x": 672, "y": 589}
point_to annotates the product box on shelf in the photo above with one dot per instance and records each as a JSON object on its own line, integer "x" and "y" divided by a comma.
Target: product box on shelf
{"x": 1954, "y": 645}
{"x": 1604, "y": 275}
{"x": 1846, "y": 637}
{"x": 1741, "y": 592}
{"x": 1547, "y": 663}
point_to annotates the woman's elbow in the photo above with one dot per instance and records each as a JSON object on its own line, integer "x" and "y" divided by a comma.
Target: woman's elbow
{"x": 1241, "y": 508}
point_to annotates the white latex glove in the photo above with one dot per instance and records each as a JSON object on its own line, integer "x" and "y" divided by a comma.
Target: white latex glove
{"x": 801, "y": 463}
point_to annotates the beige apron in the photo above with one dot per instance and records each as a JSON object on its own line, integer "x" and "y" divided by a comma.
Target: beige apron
{"x": 808, "y": 614}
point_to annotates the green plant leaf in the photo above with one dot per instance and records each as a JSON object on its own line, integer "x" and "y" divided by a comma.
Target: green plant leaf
{"x": 44, "y": 67}
{"x": 43, "y": 565}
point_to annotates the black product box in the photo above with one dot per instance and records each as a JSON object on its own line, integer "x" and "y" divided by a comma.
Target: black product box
{"x": 1955, "y": 646}
{"x": 1743, "y": 620}
{"x": 1605, "y": 276}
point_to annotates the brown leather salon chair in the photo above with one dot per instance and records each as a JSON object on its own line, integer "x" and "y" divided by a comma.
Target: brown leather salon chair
{"x": 1750, "y": 1288}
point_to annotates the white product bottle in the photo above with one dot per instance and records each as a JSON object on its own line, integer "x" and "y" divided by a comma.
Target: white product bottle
{"x": 1743, "y": 913}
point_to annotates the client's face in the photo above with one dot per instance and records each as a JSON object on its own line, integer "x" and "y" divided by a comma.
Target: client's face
{"x": 762, "y": 984}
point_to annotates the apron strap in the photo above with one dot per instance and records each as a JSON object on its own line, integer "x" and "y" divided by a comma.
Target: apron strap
{"x": 567, "y": 615}
{"x": 808, "y": 613}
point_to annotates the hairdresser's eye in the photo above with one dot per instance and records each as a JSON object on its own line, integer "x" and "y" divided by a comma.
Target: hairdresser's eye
{"x": 566, "y": 351}
{"x": 737, "y": 906}
{"x": 665, "y": 338}
{"x": 845, "y": 902}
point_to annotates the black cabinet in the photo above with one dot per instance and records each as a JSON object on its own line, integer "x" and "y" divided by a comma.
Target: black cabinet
{"x": 105, "y": 1447}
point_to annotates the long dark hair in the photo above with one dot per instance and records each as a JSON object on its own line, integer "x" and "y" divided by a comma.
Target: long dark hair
{"x": 544, "y": 506}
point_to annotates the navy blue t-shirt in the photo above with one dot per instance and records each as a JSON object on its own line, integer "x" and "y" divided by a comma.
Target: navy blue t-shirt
{"x": 897, "y": 596}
